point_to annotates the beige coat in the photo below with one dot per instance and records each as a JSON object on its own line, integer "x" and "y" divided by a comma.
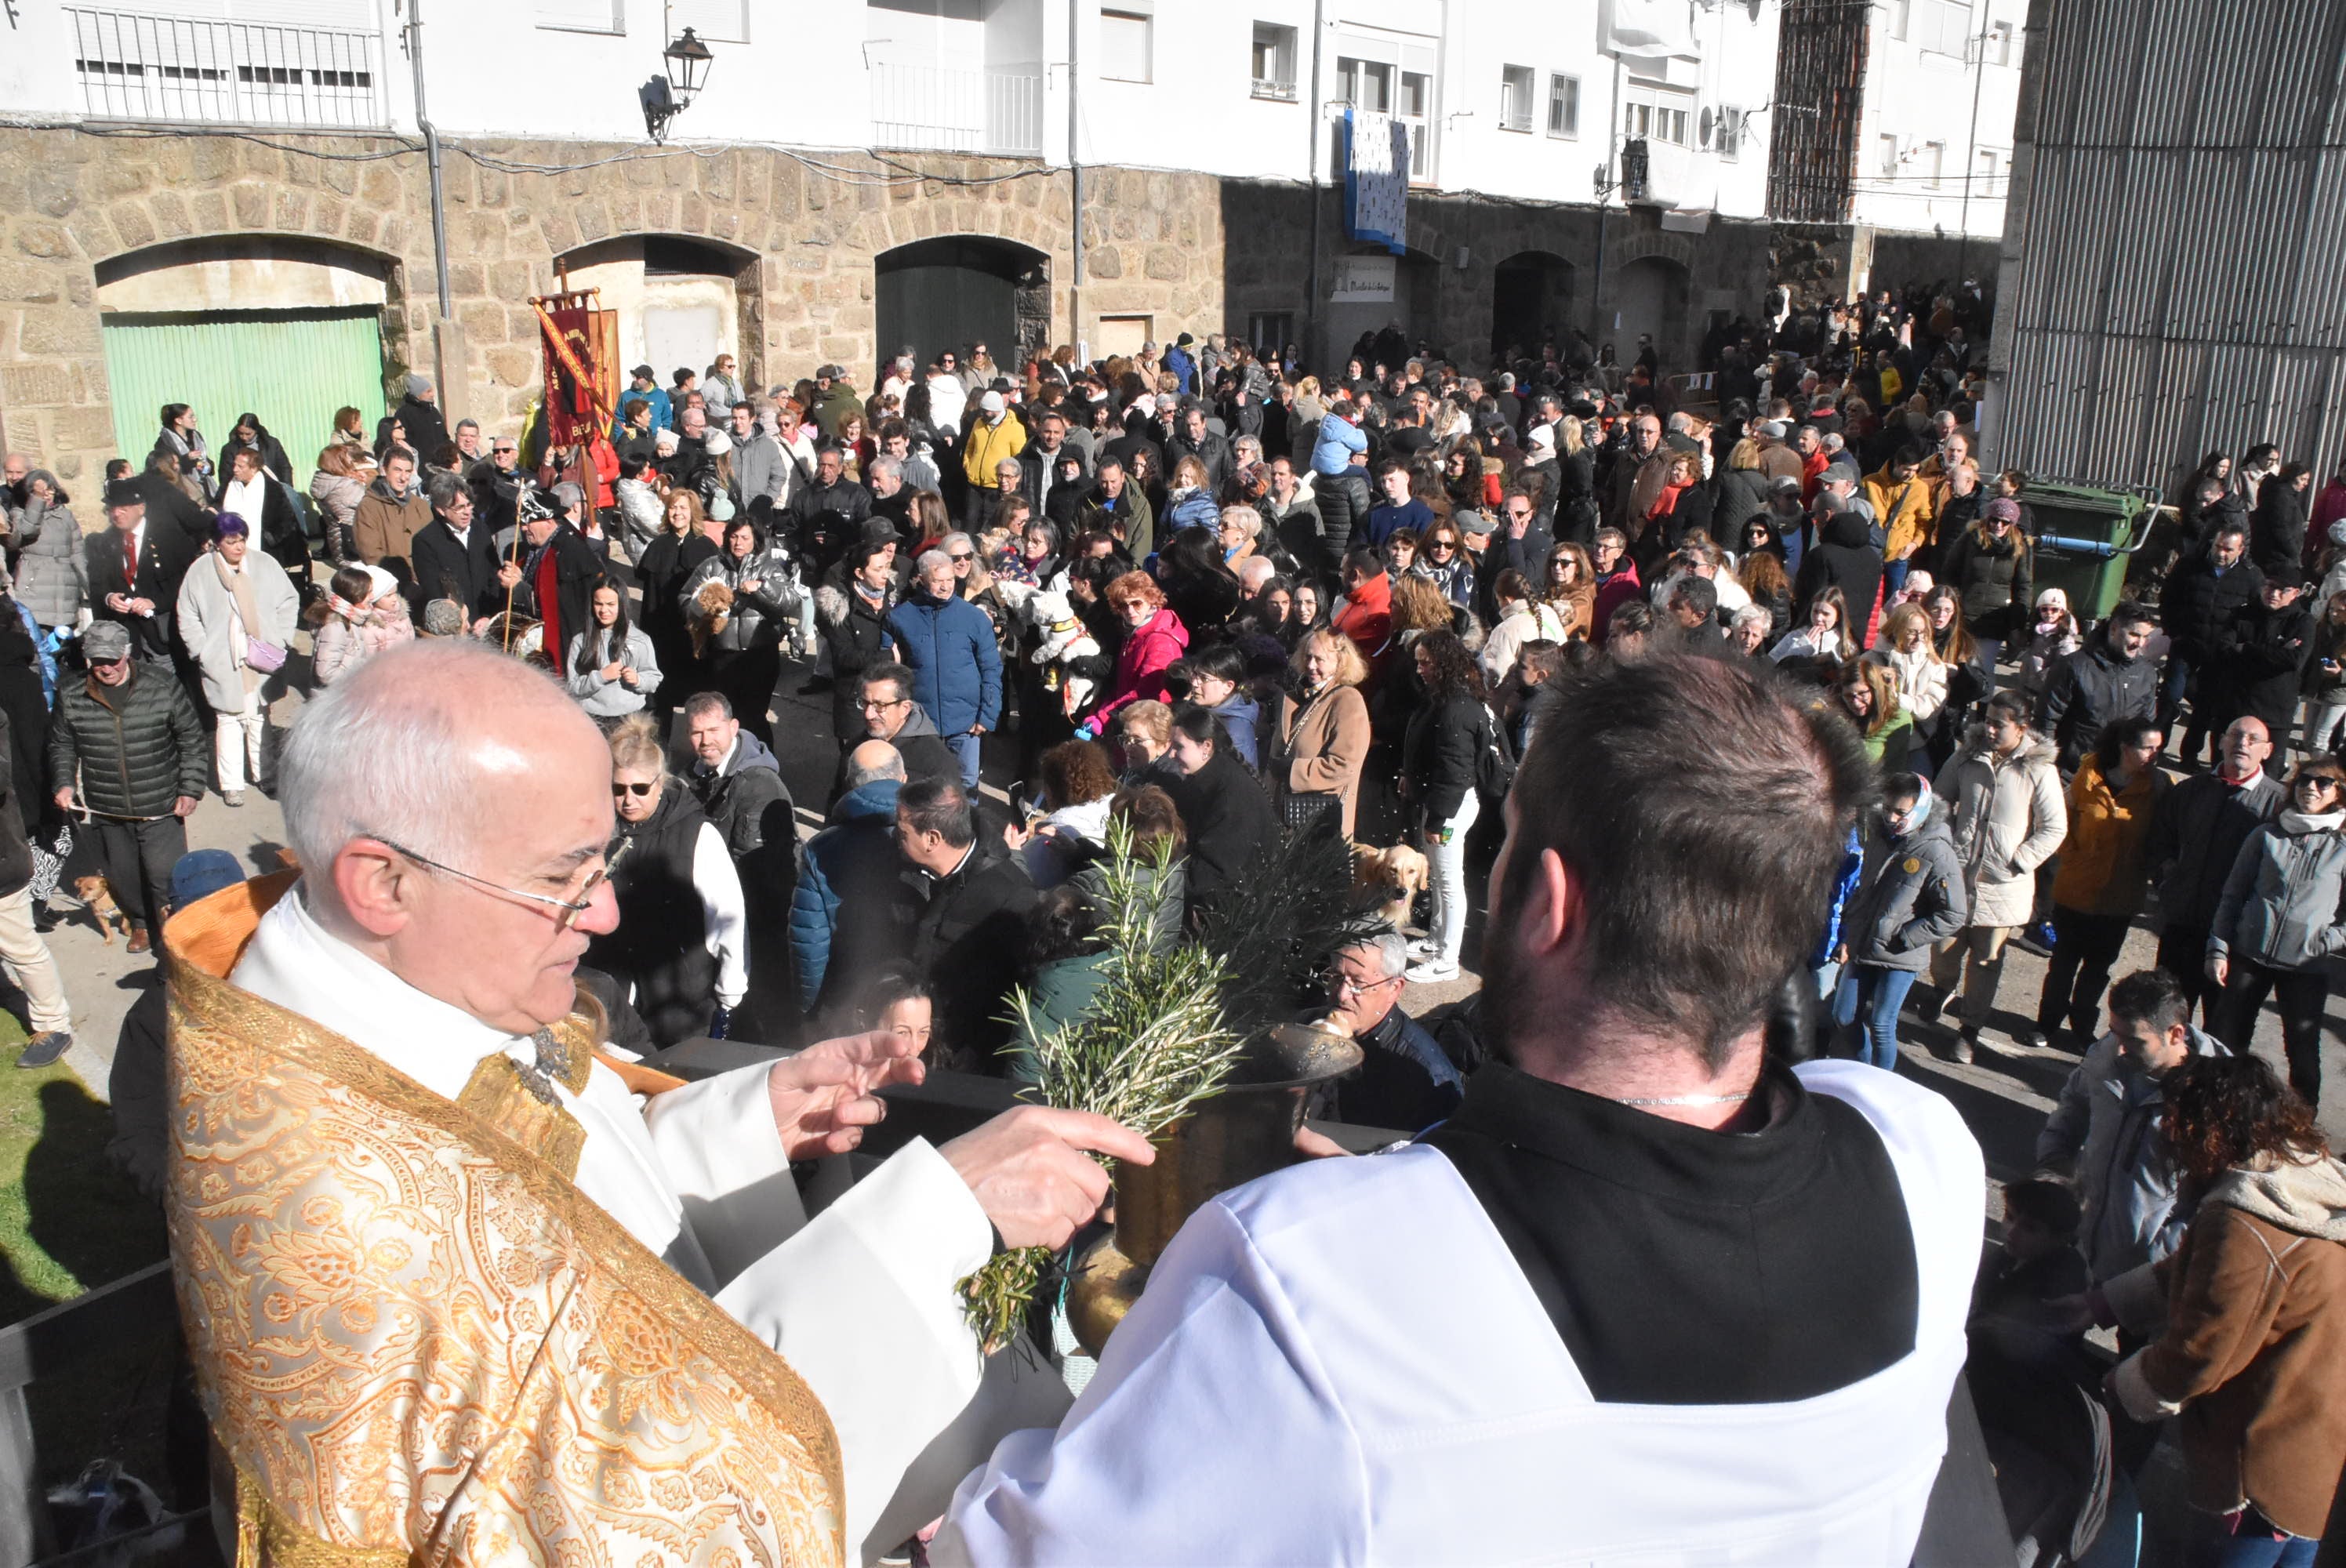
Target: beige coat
{"x": 1322, "y": 746}
{"x": 2008, "y": 817}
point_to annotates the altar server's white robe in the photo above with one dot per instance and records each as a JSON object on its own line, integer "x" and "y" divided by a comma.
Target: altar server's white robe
{"x": 1344, "y": 1364}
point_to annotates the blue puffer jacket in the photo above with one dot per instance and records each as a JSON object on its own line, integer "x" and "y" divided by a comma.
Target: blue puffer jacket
{"x": 1332, "y": 448}
{"x": 956, "y": 664}
{"x": 855, "y": 857}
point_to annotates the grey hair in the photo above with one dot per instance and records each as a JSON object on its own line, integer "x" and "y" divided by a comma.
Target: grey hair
{"x": 1393, "y": 952}
{"x": 382, "y": 753}
{"x": 1749, "y": 614}
{"x": 930, "y": 560}
{"x": 880, "y": 465}
{"x": 1246, "y": 517}
{"x": 442, "y": 488}
{"x": 890, "y": 767}
{"x": 957, "y": 535}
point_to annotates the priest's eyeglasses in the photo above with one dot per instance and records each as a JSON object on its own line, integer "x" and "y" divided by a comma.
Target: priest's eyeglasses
{"x": 570, "y": 910}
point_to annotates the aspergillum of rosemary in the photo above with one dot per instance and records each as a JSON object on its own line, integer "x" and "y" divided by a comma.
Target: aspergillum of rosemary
{"x": 1152, "y": 1042}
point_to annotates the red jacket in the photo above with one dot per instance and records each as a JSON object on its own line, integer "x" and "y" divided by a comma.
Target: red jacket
{"x": 1367, "y": 618}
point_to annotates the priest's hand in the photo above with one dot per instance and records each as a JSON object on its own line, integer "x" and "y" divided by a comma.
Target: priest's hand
{"x": 825, "y": 1096}
{"x": 1028, "y": 1171}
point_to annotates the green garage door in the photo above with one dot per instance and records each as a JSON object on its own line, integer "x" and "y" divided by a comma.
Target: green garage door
{"x": 293, "y": 368}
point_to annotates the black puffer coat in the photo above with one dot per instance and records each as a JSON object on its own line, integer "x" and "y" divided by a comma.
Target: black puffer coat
{"x": 137, "y": 746}
{"x": 2198, "y": 604}
{"x": 660, "y": 945}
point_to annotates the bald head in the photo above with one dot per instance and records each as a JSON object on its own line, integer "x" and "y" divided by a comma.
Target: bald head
{"x": 873, "y": 762}
{"x": 451, "y": 809}
{"x": 426, "y": 744}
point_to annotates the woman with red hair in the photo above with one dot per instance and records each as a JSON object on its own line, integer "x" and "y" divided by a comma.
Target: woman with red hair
{"x": 1155, "y": 638}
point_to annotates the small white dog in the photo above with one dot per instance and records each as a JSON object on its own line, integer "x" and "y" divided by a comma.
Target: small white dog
{"x": 1065, "y": 638}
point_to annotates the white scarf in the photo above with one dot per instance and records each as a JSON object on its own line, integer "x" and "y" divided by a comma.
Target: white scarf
{"x": 2295, "y": 821}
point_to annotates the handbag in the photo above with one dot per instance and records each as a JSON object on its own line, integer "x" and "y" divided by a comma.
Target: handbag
{"x": 1301, "y": 808}
{"x": 265, "y": 657}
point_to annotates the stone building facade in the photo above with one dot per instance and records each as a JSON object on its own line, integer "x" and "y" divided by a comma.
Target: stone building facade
{"x": 804, "y": 235}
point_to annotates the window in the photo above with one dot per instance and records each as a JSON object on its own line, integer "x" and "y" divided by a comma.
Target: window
{"x": 1940, "y": 26}
{"x": 1563, "y": 105}
{"x": 1983, "y": 172}
{"x": 1366, "y": 84}
{"x": 1886, "y": 159}
{"x": 1270, "y": 328}
{"x": 1272, "y": 62}
{"x": 1656, "y": 120}
{"x": 1935, "y": 163}
{"x": 1123, "y": 46}
{"x": 712, "y": 21}
{"x": 1999, "y": 44}
{"x": 1417, "y": 113}
{"x": 582, "y": 15}
{"x": 1515, "y": 97}
{"x": 1726, "y": 136}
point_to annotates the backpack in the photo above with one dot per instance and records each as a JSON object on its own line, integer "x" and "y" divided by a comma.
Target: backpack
{"x": 1494, "y": 761}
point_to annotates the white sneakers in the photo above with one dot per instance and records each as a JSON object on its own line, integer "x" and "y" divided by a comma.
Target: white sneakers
{"x": 1434, "y": 971}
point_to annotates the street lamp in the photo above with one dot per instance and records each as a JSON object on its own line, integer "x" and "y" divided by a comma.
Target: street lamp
{"x": 665, "y": 98}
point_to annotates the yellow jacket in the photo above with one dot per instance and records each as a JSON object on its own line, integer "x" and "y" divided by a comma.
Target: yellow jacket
{"x": 989, "y": 445}
{"x": 1907, "y": 513}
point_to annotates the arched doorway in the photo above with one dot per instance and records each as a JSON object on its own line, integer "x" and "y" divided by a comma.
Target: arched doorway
{"x": 1531, "y": 299}
{"x": 680, "y": 302}
{"x": 1649, "y": 296}
{"x": 285, "y": 328}
{"x": 964, "y": 289}
{"x": 1374, "y": 291}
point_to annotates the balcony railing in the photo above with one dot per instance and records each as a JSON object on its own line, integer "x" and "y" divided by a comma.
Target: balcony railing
{"x": 1273, "y": 88}
{"x": 135, "y": 66}
{"x": 930, "y": 108}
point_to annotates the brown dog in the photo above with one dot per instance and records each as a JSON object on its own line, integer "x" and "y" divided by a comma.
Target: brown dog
{"x": 95, "y": 893}
{"x": 712, "y": 608}
{"x": 1399, "y": 872}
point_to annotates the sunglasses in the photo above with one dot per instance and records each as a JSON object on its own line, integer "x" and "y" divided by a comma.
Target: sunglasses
{"x": 961, "y": 555}
{"x": 637, "y": 790}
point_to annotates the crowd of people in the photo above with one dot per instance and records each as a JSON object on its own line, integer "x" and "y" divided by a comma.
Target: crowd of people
{"x": 1214, "y": 598}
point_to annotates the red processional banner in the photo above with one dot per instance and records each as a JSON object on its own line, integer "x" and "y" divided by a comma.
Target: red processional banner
{"x": 572, "y": 415}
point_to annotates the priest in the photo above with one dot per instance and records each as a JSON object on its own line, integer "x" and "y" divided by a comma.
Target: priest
{"x": 1648, "y": 1295}
{"x": 459, "y": 1284}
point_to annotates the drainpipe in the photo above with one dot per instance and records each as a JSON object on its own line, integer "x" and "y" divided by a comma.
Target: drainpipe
{"x": 439, "y": 210}
{"x": 1075, "y": 173}
{"x": 1311, "y": 136}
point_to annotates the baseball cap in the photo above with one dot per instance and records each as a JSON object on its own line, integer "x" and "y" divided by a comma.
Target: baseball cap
{"x": 104, "y": 641}
{"x": 643, "y": 372}
{"x": 829, "y": 373}
{"x": 1471, "y": 522}
{"x": 199, "y": 873}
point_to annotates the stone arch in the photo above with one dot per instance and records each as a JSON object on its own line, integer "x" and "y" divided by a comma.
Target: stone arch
{"x": 953, "y": 290}
{"x": 1650, "y": 294}
{"x": 1531, "y": 298}
{"x": 681, "y": 299}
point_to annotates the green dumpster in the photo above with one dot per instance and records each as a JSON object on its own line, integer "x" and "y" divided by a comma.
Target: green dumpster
{"x": 2085, "y": 538}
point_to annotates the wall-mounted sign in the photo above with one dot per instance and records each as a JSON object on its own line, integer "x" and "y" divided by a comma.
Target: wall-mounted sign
{"x": 1362, "y": 280}
{"x": 1376, "y": 180}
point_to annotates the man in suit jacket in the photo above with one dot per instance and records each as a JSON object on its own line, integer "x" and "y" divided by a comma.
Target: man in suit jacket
{"x": 135, "y": 568}
{"x": 454, "y": 556}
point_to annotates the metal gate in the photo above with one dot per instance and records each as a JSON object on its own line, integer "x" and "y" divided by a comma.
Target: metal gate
{"x": 293, "y": 368}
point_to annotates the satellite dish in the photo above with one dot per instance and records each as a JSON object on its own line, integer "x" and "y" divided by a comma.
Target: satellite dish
{"x": 1709, "y": 125}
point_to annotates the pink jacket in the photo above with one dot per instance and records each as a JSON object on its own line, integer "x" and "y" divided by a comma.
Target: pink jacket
{"x": 1140, "y": 667}
{"x": 344, "y": 644}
